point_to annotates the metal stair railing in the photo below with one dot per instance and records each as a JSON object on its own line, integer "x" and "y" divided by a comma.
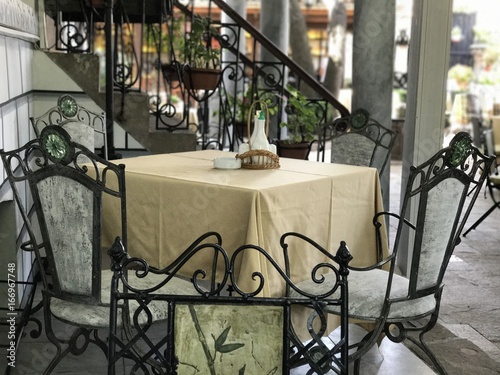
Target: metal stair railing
{"x": 143, "y": 42}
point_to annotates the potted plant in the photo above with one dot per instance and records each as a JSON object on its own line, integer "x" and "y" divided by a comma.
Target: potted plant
{"x": 303, "y": 124}
{"x": 462, "y": 74}
{"x": 241, "y": 104}
{"x": 202, "y": 70}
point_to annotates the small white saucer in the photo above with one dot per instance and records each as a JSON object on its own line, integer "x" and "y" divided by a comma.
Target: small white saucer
{"x": 227, "y": 163}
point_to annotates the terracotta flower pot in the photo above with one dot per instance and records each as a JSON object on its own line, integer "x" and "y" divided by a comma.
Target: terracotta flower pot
{"x": 201, "y": 78}
{"x": 293, "y": 150}
{"x": 170, "y": 72}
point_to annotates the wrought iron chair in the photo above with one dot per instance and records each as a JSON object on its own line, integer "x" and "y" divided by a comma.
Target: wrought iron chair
{"x": 81, "y": 124}
{"x": 358, "y": 139}
{"x": 477, "y": 131}
{"x": 398, "y": 305}
{"x": 67, "y": 199}
{"x": 492, "y": 179}
{"x": 240, "y": 332}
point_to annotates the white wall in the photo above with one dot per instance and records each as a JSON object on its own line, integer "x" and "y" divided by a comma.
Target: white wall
{"x": 17, "y": 37}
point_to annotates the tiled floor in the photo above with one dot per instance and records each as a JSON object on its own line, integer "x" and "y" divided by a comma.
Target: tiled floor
{"x": 467, "y": 340}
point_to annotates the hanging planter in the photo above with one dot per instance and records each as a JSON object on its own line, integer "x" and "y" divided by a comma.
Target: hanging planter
{"x": 201, "y": 78}
{"x": 202, "y": 72}
{"x": 171, "y": 72}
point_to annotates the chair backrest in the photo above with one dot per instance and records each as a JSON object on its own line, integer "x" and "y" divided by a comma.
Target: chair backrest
{"x": 67, "y": 199}
{"x": 477, "y": 132}
{"x": 82, "y": 124}
{"x": 474, "y": 106}
{"x": 439, "y": 190}
{"x": 359, "y": 140}
{"x": 489, "y": 143}
{"x": 213, "y": 330}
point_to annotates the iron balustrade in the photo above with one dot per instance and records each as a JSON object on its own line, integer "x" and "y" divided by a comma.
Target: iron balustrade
{"x": 149, "y": 35}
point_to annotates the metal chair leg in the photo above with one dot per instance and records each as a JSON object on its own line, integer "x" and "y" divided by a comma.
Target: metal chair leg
{"x": 425, "y": 348}
{"x": 481, "y": 219}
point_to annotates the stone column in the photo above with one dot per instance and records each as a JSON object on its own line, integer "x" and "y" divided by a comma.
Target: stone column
{"x": 426, "y": 100}
{"x": 233, "y": 73}
{"x": 233, "y": 86}
{"x": 275, "y": 24}
{"x": 373, "y": 58}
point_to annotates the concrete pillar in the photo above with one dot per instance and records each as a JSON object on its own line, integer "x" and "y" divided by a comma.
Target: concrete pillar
{"x": 426, "y": 100}
{"x": 233, "y": 73}
{"x": 373, "y": 55}
{"x": 275, "y": 24}
{"x": 233, "y": 86}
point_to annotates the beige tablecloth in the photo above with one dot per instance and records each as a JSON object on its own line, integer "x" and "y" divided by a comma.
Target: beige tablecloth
{"x": 174, "y": 198}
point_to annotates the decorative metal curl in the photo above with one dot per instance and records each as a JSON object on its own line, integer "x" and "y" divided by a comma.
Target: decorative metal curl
{"x": 229, "y": 37}
{"x": 255, "y": 275}
{"x": 142, "y": 269}
{"x": 75, "y": 339}
{"x": 233, "y": 72}
{"x": 122, "y": 75}
{"x": 401, "y": 334}
{"x": 272, "y": 74}
{"x": 459, "y": 159}
{"x": 342, "y": 259}
{"x": 70, "y": 37}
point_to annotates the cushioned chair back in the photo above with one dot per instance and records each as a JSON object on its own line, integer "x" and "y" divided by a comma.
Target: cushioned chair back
{"x": 359, "y": 140}
{"x": 67, "y": 199}
{"x": 80, "y": 133}
{"x": 489, "y": 143}
{"x": 68, "y": 212}
{"x": 344, "y": 144}
{"x": 439, "y": 208}
{"x": 477, "y": 131}
{"x": 439, "y": 189}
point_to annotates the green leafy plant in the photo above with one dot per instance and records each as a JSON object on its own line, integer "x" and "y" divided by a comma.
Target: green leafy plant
{"x": 198, "y": 49}
{"x": 244, "y": 102}
{"x": 303, "y": 122}
{"x": 462, "y": 74}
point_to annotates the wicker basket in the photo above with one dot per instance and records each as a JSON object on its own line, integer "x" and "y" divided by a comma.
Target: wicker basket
{"x": 258, "y": 159}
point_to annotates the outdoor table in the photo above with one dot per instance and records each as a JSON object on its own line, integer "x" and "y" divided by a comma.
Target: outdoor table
{"x": 174, "y": 198}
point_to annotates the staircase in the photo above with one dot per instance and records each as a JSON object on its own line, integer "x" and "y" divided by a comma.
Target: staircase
{"x": 143, "y": 99}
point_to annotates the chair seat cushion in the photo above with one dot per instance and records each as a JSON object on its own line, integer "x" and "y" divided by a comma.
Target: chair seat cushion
{"x": 97, "y": 316}
{"x": 495, "y": 180}
{"x": 367, "y": 293}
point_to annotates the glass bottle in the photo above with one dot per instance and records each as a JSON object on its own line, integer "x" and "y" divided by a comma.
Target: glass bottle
{"x": 258, "y": 140}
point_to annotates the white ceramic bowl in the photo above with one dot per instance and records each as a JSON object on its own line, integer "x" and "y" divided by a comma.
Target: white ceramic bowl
{"x": 227, "y": 163}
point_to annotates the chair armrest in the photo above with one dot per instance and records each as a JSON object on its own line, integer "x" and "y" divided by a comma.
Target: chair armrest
{"x": 385, "y": 213}
{"x": 378, "y": 227}
{"x": 284, "y": 245}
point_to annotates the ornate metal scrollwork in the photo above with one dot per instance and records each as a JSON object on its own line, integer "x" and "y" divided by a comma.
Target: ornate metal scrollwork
{"x": 460, "y": 149}
{"x": 55, "y": 142}
{"x": 246, "y": 286}
{"x": 67, "y": 105}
